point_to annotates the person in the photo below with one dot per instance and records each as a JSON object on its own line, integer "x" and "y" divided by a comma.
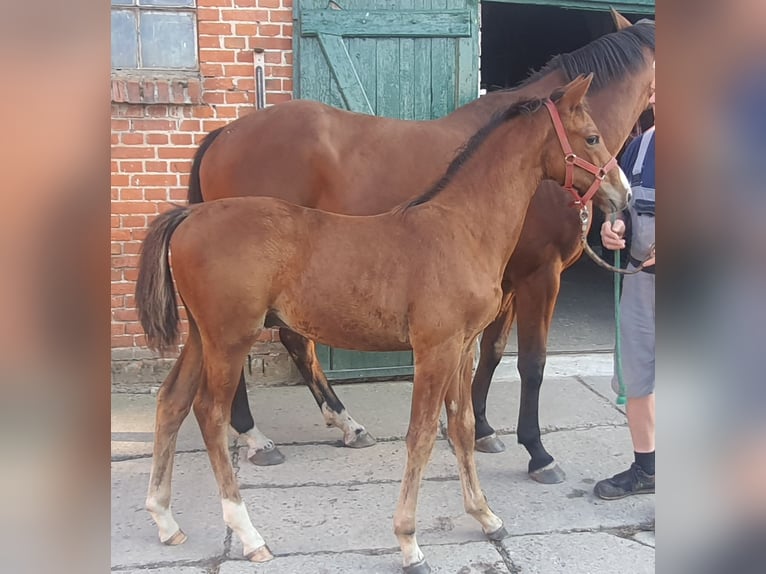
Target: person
{"x": 637, "y": 323}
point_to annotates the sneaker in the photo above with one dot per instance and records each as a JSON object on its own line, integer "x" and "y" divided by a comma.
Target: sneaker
{"x": 632, "y": 481}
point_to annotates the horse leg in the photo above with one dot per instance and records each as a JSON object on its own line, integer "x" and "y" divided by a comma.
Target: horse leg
{"x": 261, "y": 450}
{"x": 461, "y": 431}
{"x": 433, "y": 372}
{"x": 492, "y": 346}
{"x": 536, "y": 299}
{"x": 212, "y": 410}
{"x": 174, "y": 400}
{"x": 303, "y": 352}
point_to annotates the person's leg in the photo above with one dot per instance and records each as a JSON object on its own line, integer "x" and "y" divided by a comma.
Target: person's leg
{"x": 637, "y": 339}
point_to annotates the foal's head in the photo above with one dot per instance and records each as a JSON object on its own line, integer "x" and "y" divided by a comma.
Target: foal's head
{"x": 567, "y": 167}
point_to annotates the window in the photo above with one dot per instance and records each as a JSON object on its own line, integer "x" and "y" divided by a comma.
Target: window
{"x": 154, "y": 35}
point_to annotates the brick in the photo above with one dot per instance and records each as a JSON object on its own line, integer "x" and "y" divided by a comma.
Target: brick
{"x": 133, "y": 207}
{"x": 214, "y": 29}
{"x": 287, "y": 86}
{"x": 227, "y": 112}
{"x": 245, "y": 84}
{"x": 221, "y": 3}
{"x": 125, "y": 261}
{"x": 218, "y": 83}
{"x": 116, "y": 249}
{"x": 238, "y": 98}
{"x": 131, "y": 166}
{"x": 153, "y": 180}
{"x": 118, "y": 301}
{"x": 203, "y": 112}
{"x": 208, "y": 15}
{"x": 176, "y": 153}
{"x": 181, "y": 139}
{"x": 156, "y": 139}
{"x": 117, "y": 329}
{"x": 128, "y": 221}
{"x": 120, "y": 125}
{"x": 235, "y": 42}
{"x": 180, "y": 166}
{"x": 131, "y": 274}
{"x": 217, "y": 55}
{"x": 245, "y": 15}
{"x": 115, "y": 139}
{"x": 245, "y": 56}
{"x": 273, "y": 84}
{"x": 134, "y": 92}
{"x": 246, "y": 30}
{"x": 280, "y": 16}
{"x": 211, "y": 70}
{"x": 274, "y": 43}
{"x": 148, "y": 93}
{"x": 156, "y": 167}
{"x": 131, "y": 194}
{"x": 269, "y": 30}
{"x": 156, "y": 194}
{"x": 213, "y": 98}
{"x": 120, "y": 235}
{"x": 239, "y": 70}
{"x": 189, "y": 126}
{"x": 269, "y": 3}
{"x": 287, "y": 30}
{"x": 116, "y": 275}
{"x": 154, "y": 125}
{"x": 132, "y": 152}
{"x": 119, "y": 179}
{"x": 194, "y": 92}
{"x": 211, "y": 125}
{"x": 120, "y": 341}
{"x": 115, "y": 221}
{"x": 122, "y": 288}
{"x": 246, "y": 3}
{"x": 132, "y": 138}
{"x": 273, "y": 99}
{"x": 179, "y": 194}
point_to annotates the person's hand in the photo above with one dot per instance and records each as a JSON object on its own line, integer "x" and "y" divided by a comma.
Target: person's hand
{"x": 611, "y": 234}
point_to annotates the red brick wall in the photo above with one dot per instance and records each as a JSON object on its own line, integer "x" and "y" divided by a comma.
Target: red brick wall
{"x": 158, "y": 121}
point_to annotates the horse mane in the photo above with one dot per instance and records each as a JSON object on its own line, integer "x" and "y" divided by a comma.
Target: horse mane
{"x": 464, "y": 153}
{"x": 610, "y": 57}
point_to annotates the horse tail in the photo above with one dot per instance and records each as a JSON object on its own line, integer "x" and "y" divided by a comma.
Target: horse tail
{"x": 155, "y": 293}
{"x": 195, "y": 189}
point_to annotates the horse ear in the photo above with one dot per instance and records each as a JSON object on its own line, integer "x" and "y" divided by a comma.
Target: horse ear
{"x": 620, "y": 21}
{"x": 571, "y": 95}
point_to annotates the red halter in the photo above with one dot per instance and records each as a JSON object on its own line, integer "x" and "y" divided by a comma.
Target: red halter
{"x": 572, "y": 160}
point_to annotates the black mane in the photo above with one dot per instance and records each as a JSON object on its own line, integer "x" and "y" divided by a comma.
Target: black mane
{"x": 525, "y": 107}
{"x": 610, "y": 57}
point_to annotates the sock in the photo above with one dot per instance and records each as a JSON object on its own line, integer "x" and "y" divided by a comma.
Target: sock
{"x": 646, "y": 461}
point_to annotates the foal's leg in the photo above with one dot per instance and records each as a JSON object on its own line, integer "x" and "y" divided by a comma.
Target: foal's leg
{"x": 460, "y": 426}
{"x": 536, "y": 300}
{"x": 492, "y": 346}
{"x": 174, "y": 400}
{"x": 261, "y": 450}
{"x": 433, "y": 371}
{"x": 303, "y": 352}
{"x": 212, "y": 407}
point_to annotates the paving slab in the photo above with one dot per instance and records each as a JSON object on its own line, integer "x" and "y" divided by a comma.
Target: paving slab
{"x": 579, "y": 553}
{"x": 166, "y": 570}
{"x": 471, "y": 558}
{"x": 195, "y": 503}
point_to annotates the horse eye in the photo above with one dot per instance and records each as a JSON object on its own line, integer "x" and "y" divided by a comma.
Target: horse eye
{"x": 592, "y": 140}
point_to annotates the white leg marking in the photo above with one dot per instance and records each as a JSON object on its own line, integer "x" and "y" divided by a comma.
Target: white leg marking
{"x": 255, "y": 440}
{"x": 351, "y": 429}
{"x": 236, "y": 517}
{"x": 411, "y": 553}
{"x": 163, "y": 517}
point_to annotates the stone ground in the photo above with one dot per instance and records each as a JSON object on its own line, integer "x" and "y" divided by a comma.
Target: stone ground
{"x": 329, "y": 509}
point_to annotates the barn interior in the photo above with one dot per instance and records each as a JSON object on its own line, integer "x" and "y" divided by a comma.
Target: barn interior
{"x": 517, "y": 39}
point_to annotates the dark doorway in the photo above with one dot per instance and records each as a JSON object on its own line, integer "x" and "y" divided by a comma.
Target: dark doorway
{"x": 517, "y": 39}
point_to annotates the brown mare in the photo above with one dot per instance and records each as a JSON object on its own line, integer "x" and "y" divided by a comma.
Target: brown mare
{"x": 424, "y": 276}
{"x": 314, "y": 155}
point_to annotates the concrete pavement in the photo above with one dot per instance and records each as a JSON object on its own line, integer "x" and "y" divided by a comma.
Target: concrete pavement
{"x": 329, "y": 509}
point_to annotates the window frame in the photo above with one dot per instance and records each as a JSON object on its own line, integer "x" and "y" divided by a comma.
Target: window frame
{"x": 137, "y": 8}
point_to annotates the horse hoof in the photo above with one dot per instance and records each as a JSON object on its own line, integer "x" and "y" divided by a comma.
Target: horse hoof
{"x": 490, "y": 444}
{"x": 549, "y": 474}
{"x": 421, "y": 567}
{"x": 178, "y": 538}
{"x": 498, "y": 534}
{"x": 267, "y": 457}
{"x": 262, "y": 554}
{"x": 362, "y": 440}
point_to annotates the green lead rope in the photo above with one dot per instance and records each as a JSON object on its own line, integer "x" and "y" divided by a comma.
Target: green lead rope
{"x": 621, "y": 399}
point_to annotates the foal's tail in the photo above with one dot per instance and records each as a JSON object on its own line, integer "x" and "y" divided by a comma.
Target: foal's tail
{"x": 195, "y": 189}
{"x": 155, "y": 294}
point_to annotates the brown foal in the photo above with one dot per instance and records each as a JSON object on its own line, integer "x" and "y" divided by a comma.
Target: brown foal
{"x": 314, "y": 155}
{"x": 426, "y": 276}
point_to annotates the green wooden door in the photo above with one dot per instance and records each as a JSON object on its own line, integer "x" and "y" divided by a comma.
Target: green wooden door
{"x": 409, "y": 59}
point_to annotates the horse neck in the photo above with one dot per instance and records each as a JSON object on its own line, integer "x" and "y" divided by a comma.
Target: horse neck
{"x": 486, "y": 199}
{"x": 479, "y": 111}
